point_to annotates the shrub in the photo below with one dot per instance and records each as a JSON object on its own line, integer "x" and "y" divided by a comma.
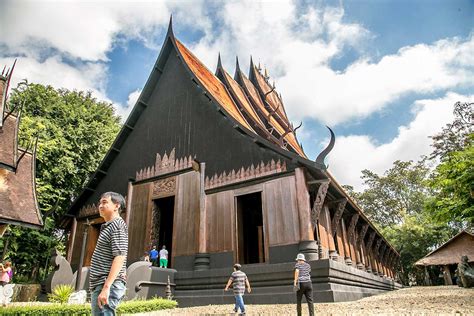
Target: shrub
{"x": 129, "y": 307}
{"x": 61, "y": 293}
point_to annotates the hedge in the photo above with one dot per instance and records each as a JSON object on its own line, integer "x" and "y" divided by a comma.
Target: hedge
{"x": 128, "y": 307}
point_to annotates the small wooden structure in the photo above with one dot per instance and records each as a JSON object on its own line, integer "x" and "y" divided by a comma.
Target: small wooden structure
{"x": 212, "y": 168}
{"x": 449, "y": 254}
{"x": 18, "y": 204}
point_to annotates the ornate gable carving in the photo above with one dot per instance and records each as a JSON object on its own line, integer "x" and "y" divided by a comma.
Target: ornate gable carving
{"x": 252, "y": 172}
{"x": 164, "y": 165}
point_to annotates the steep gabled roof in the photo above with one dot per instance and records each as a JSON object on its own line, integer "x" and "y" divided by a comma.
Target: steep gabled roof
{"x": 211, "y": 83}
{"x": 268, "y": 94}
{"x": 451, "y": 251}
{"x": 18, "y": 204}
{"x": 258, "y": 104}
{"x": 212, "y": 87}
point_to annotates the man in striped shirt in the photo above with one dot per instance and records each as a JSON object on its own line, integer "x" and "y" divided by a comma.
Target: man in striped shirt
{"x": 108, "y": 265}
{"x": 302, "y": 282}
{"x": 238, "y": 279}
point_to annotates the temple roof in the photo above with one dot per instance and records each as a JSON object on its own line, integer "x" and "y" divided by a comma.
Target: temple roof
{"x": 451, "y": 251}
{"x": 18, "y": 204}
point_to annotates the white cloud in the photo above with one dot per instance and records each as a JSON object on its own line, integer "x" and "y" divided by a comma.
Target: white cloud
{"x": 124, "y": 111}
{"x": 79, "y": 29}
{"x": 352, "y": 154}
{"x": 53, "y": 71}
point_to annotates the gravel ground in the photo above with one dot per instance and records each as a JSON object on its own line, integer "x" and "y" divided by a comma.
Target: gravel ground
{"x": 439, "y": 300}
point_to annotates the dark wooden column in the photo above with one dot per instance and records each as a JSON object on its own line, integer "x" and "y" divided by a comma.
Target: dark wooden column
{"x": 360, "y": 245}
{"x": 352, "y": 239}
{"x": 304, "y": 211}
{"x": 340, "y": 205}
{"x": 330, "y": 237}
{"x": 345, "y": 240}
{"x": 368, "y": 248}
{"x": 202, "y": 259}
{"x": 382, "y": 251}
{"x": 72, "y": 237}
{"x": 377, "y": 256}
{"x": 315, "y": 215}
{"x": 324, "y": 232}
{"x": 340, "y": 242}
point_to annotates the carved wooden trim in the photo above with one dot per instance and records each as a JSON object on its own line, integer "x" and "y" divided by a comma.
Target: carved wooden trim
{"x": 252, "y": 172}
{"x": 341, "y": 204}
{"x": 370, "y": 241}
{"x": 318, "y": 203}
{"x": 377, "y": 246}
{"x": 164, "y": 186}
{"x": 383, "y": 248}
{"x": 352, "y": 225}
{"x": 88, "y": 210}
{"x": 164, "y": 165}
{"x": 362, "y": 233}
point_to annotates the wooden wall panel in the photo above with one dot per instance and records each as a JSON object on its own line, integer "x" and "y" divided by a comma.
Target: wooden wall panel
{"x": 186, "y": 214}
{"x": 76, "y": 254}
{"x": 281, "y": 211}
{"x": 220, "y": 208}
{"x": 137, "y": 232}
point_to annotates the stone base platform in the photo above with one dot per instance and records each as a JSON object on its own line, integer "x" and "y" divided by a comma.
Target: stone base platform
{"x": 273, "y": 283}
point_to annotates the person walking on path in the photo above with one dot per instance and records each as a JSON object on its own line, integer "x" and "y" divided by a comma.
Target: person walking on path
{"x": 5, "y": 273}
{"x": 163, "y": 257}
{"x": 239, "y": 280}
{"x": 302, "y": 282}
{"x": 107, "y": 279}
{"x": 154, "y": 256}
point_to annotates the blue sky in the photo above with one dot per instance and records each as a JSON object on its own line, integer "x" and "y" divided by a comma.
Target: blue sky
{"x": 383, "y": 74}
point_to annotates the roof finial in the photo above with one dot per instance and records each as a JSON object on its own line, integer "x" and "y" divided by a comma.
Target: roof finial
{"x": 170, "y": 26}
{"x": 266, "y": 74}
{"x": 327, "y": 150}
{"x": 259, "y": 67}
{"x": 219, "y": 62}
{"x": 273, "y": 84}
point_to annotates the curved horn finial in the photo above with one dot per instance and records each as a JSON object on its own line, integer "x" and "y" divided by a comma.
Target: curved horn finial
{"x": 294, "y": 130}
{"x": 327, "y": 150}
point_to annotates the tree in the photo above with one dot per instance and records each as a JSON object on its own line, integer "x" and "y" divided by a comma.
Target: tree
{"x": 75, "y": 131}
{"x": 401, "y": 191}
{"x": 453, "y": 182}
{"x": 453, "y": 178}
{"x": 395, "y": 202}
{"x": 455, "y": 136}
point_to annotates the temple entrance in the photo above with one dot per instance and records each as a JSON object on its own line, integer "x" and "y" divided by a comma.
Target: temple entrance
{"x": 163, "y": 214}
{"x": 250, "y": 236}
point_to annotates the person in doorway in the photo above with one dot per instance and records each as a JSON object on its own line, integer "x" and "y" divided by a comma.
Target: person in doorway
{"x": 107, "y": 278}
{"x": 239, "y": 280}
{"x": 6, "y": 273}
{"x": 302, "y": 284}
{"x": 163, "y": 257}
{"x": 154, "y": 256}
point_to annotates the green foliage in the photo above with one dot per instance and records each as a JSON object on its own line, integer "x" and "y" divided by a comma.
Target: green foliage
{"x": 455, "y": 136}
{"x": 142, "y": 306}
{"x": 401, "y": 191}
{"x": 128, "y": 307}
{"x": 61, "y": 293}
{"x": 453, "y": 181}
{"x": 417, "y": 207}
{"x": 413, "y": 238}
{"x": 75, "y": 131}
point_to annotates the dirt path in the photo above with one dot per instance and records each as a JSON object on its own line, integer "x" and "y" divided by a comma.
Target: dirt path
{"x": 440, "y": 300}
